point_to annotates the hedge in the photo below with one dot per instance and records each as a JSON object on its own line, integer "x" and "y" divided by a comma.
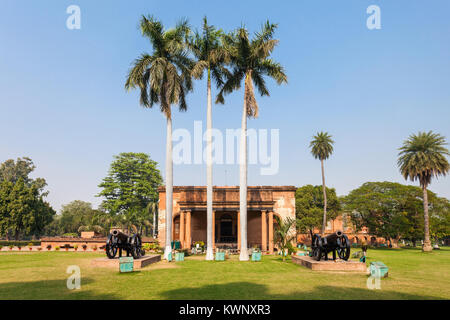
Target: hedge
{"x": 19, "y": 243}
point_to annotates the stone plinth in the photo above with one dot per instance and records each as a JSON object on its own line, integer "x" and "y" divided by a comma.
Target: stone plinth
{"x": 330, "y": 265}
{"x": 114, "y": 263}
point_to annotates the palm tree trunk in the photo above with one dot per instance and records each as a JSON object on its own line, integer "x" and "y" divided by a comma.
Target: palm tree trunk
{"x": 243, "y": 184}
{"x": 324, "y": 223}
{"x": 209, "y": 186}
{"x": 154, "y": 224}
{"x": 169, "y": 188}
{"x": 426, "y": 243}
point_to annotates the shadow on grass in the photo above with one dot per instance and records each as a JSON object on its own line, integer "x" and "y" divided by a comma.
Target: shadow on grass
{"x": 49, "y": 290}
{"x": 250, "y": 291}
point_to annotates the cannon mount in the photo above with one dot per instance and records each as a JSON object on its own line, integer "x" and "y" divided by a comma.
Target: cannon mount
{"x": 118, "y": 241}
{"x": 336, "y": 242}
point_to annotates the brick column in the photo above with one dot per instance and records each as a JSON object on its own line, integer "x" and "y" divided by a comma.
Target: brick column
{"x": 214, "y": 229}
{"x": 188, "y": 230}
{"x": 182, "y": 238}
{"x": 238, "y": 230}
{"x": 263, "y": 231}
{"x": 271, "y": 232}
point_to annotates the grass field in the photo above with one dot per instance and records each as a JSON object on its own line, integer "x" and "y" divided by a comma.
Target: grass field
{"x": 412, "y": 275}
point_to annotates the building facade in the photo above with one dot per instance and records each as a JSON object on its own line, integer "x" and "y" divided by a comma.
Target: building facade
{"x": 264, "y": 203}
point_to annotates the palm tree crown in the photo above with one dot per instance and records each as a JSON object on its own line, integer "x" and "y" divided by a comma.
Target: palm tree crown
{"x": 210, "y": 55}
{"x": 163, "y": 77}
{"x": 321, "y": 146}
{"x": 423, "y": 156}
{"x": 250, "y": 60}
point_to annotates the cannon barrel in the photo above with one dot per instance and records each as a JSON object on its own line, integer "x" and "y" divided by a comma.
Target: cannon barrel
{"x": 332, "y": 238}
{"x": 120, "y": 235}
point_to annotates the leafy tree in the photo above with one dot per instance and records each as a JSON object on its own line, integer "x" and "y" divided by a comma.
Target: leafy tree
{"x": 284, "y": 234}
{"x": 440, "y": 218}
{"x": 23, "y": 209}
{"x": 250, "y": 62}
{"x": 164, "y": 78}
{"x": 12, "y": 171}
{"x": 387, "y": 209}
{"x": 309, "y": 207}
{"x": 130, "y": 189}
{"x": 322, "y": 148}
{"x": 210, "y": 56}
{"x": 22, "y": 206}
{"x": 74, "y": 215}
{"x": 423, "y": 157}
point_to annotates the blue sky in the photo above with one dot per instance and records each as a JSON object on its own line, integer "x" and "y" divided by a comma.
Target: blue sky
{"x": 63, "y": 104}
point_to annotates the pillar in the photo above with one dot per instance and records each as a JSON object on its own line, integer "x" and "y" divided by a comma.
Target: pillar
{"x": 271, "y": 232}
{"x": 238, "y": 230}
{"x": 188, "y": 230}
{"x": 214, "y": 229}
{"x": 263, "y": 231}
{"x": 182, "y": 238}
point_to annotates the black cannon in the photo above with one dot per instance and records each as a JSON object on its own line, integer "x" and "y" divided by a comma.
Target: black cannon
{"x": 336, "y": 242}
{"x": 118, "y": 241}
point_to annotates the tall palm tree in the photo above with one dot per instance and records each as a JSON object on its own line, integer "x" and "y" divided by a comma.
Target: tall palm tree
{"x": 164, "y": 78}
{"x": 322, "y": 148}
{"x": 422, "y": 157}
{"x": 210, "y": 57}
{"x": 250, "y": 61}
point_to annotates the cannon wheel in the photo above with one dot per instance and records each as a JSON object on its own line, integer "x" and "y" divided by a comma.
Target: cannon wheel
{"x": 111, "y": 248}
{"x": 316, "y": 247}
{"x": 344, "y": 248}
{"x": 136, "y": 246}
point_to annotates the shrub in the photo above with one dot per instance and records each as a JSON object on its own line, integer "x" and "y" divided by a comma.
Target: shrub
{"x": 11, "y": 247}
{"x": 30, "y": 244}
{"x": 71, "y": 235}
{"x": 57, "y": 248}
{"x": 1, "y": 247}
{"x": 94, "y": 248}
{"x": 75, "y": 247}
{"x": 49, "y": 247}
{"x": 84, "y": 247}
{"x": 20, "y": 243}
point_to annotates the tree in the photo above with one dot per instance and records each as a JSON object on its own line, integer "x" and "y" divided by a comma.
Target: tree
{"x": 423, "y": 157}
{"x": 23, "y": 209}
{"x": 387, "y": 209}
{"x": 250, "y": 61}
{"x": 75, "y": 215}
{"x": 12, "y": 171}
{"x": 163, "y": 78}
{"x": 309, "y": 207}
{"x": 284, "y": 234}
{"x": 130, "y": 187}
{"x": 322, "y": 148}
{"x": 210, "y": 57}
{"x": 440, "y": 218}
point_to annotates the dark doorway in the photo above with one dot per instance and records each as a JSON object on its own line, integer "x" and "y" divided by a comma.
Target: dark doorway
{"x": 226, "y": 229}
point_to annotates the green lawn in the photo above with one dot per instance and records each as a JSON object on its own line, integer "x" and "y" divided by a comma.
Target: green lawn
{"x": 412, "y": 275}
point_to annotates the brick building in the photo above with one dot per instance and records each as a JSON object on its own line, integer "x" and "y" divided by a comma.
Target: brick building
{"x": 189, "y": 215}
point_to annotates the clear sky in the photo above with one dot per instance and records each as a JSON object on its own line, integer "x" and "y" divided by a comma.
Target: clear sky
{"x": 63, "y": 103}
